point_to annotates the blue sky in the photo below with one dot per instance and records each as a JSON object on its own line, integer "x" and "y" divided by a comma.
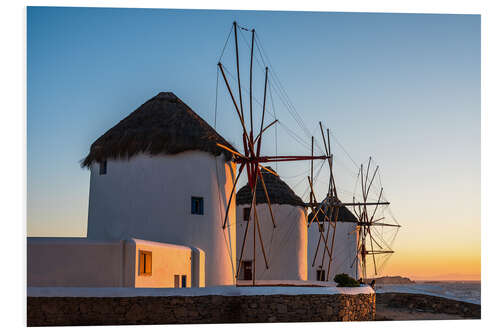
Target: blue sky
{"x": 403, "y": 88}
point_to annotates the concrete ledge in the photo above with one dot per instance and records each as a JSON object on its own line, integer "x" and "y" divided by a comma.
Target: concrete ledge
{"x": 143, "y": 310}
{"x": 219, "y": 290}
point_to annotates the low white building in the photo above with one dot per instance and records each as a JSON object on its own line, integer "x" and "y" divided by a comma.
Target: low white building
{"x": 80, "y": 262}
{"x": 344, "y": 250}
{"x": 158, "y": 175}
{"x": 286, "y": 245}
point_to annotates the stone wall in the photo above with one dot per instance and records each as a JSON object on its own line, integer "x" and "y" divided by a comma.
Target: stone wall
{"x": 429, "y": 303}
{"x": 61, "y": 311}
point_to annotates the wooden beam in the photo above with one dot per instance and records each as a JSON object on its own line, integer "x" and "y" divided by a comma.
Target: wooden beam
{"x": 263, "y": 113}
{"x": 265, "y": 128}
{"x": 244, "y": 240}
{"x": 341, "y": 204}
{"x": 330, "y": 163}
{"x": 267, "y": 197}
{"x": 238, "y": 66}
{"x": 254, "y": 225}
{"x": 240, "y": 114}
{"x": 260, "y": 238}
{"x": 332, "y": 248}
{"x": 251, "y": 70}
{"x": 375, "y": 210}
{"x": 230, "y": 150}
{"x": 231, "y": 195}
{"x": 312, "y": 168}
{"x": 269, "y": 170}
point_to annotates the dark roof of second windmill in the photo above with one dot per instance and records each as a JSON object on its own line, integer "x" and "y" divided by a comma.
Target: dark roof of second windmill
{"x": 279, "y": 192}
{"x": 162, "y": 125}
{"x": 344, "y": 215}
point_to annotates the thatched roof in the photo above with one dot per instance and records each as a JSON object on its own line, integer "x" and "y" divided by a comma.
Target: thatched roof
{"x": 162, "y": 125}
{"x": 279, "y": 192}
{"x": 345, "y": 214}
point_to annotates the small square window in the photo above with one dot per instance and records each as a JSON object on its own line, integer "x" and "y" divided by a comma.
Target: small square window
{"x": 197, "y": 205}
{"x": 103, "y": 167}
{"x": 320, "y": 275}
{"x": 246, "y": 272}
{"x": 246, "y": 214}
{"x": 145, "y": 262}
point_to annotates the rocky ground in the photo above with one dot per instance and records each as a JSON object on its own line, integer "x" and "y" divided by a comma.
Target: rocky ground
{"x": 399, "y": 306}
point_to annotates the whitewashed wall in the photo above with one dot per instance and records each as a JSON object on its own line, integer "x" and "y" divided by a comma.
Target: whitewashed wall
{"x": 197, "y": 267}
{"x": 149, "y": 197}
{"x": 286, "y": 246}
{"x": 167, "y": 260}
{"x": 79, "y": 262}
{"x": 344, "y": 251}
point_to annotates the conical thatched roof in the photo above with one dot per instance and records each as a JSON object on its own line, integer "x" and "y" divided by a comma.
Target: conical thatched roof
{"x": 279, "y": 192}
{"x": 162, "y": 125}
{"x": 345, "y": 214}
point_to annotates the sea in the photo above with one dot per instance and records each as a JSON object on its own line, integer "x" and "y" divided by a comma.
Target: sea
{"x": 466, "y": 291}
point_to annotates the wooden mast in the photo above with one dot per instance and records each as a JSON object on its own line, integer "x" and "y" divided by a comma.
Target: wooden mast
{"x": 312, "y": 168}
{"x": 251, "y": 159}
{"x": 364, "y": 220}
{"x": 251, "y": 72}
{"x": 238, "y": 65}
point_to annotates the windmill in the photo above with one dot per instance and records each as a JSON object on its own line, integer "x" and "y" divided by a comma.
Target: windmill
{"x": 250, "y": 160}
{"x": 370, "y": 240}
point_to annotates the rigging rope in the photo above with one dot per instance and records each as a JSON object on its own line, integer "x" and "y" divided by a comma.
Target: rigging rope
{"x": 278, "y": 89}
{"x": 275, "y": 128}
{"x": 294, "y": 136}
{"x": 225, "y": 44}
{"x": 245, "y": 89}
{"x": 282, "y": 92}
{"x": 216, "y": 98}
{"x": 345, "y": 151}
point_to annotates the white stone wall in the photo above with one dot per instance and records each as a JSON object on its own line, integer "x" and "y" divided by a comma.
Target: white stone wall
{"x": 149, "y": 197}
{"x": 285, "y": 246}
{"x": 344, "y": 250}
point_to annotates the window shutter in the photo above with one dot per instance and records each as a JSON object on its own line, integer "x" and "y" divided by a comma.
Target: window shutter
{"x": 145, "y": 262}
{"x": 149, "y": 263}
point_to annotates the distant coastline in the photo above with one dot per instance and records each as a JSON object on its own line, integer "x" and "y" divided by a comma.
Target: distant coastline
{"x": 447, "y": 281}
{"x": 392, "y": 280}
{"x": 405, "y": 280}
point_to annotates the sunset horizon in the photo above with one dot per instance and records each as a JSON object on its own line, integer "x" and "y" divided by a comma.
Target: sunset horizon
{"x": 357, "y": 137}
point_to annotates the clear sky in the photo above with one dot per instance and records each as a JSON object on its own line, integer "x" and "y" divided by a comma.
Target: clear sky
{"x": 402, "y": 88}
